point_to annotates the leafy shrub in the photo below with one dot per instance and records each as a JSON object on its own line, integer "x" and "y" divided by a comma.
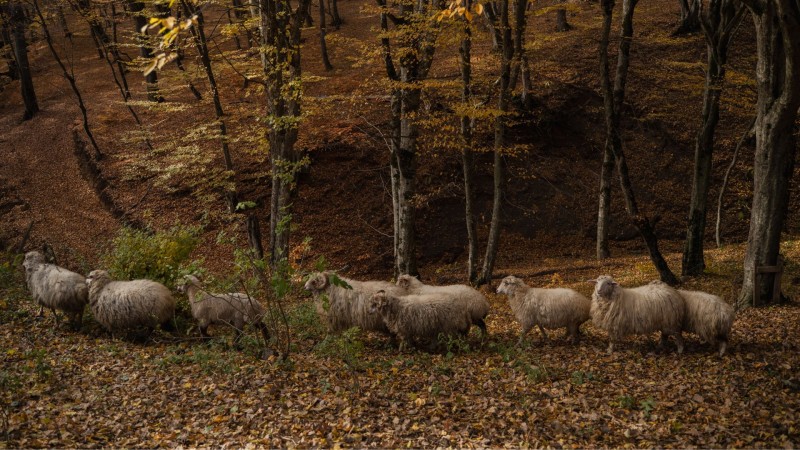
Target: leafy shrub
{"x": 162, "y": 256}
{"x": 12, "y": 286}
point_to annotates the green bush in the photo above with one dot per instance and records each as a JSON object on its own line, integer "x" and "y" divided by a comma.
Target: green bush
{"x": 12, "y": 286}
{"x": 161, "y": 256}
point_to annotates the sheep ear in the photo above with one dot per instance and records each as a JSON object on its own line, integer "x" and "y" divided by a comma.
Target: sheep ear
{"x": 591, "y": 281}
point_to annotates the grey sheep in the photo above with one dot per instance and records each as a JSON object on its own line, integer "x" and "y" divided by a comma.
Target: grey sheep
{"x": 55, "y": 288}
{"x": 471, "y": 299}
{"x": 641, "y": 310}
{"x": 545, "y": 308}
{"x": 347, "y": 306}
{"x": 709, "y": 317}
{"x": 122, "y": 305}
{"x": 231, "y": 309}
{"x": 420, "y": 319}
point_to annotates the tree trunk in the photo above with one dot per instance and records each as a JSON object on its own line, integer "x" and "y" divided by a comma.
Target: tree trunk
{"x": 467, "y": 154}
{"x": 604, "y": 209}
{"x": 254, "y": 236}
{"x": 280, "y": 34}
{"x": 613, "y": 100}
{"x": 69, "y": 76}
{"x": 336, "y": 19}
{"x": 690, "y": 17}
{"x": 145, "y": 49}
{"x": 8, "y": 55}
{"x": 561, "y": 21}
{"x": 722, "y": 19}
{"x": 323, "y": 29}
{"x": 62, "y": 21}
{"x": 777, "y": 25}
{"x": 199, "y": 35}
{"x": 20, "y": 46}
{"x": 493, "y": 243}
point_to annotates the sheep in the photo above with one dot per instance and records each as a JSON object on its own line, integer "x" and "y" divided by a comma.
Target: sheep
{"x": 418, "y": 319}
{"x": 641, "y": 310}
{"x": 56, "y": 288}
{"x": 233, "y": 309}
{"x": 472, "y": 299}
{"x": 347, "y": 307}
{"x": 121, "y": 305}
{"x": 545, "y": 308}
{"x": 709, "y": 317}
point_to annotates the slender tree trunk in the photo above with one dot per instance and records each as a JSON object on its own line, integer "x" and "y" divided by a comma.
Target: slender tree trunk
{"x": 68, "y": 75}
{"x": 561, "y": 20}
{"x": 493, "y": 243}
{"x": 199, "y": 35}
{"x": 336, "y": 19}
{"x": 690, "y": 17}
{"x": 777, "y": 25}
{"x": 8, "y": 55}
{"x": 614, "y": 99}
{"x": 722, "y": 19}
{"x": 280, "y": 33}
{"x": 62, "y": 21}
{"x": 145, "y": 49}
{"x": 747, "y": 134}
{"x": 468, "y": 164}
{"x": 20, "y": 46}
{"x": 604, "y": 209}
{"x": 323, "y": 29}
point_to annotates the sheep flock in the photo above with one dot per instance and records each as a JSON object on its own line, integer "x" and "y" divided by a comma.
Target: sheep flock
{"x": 410, "y": 312}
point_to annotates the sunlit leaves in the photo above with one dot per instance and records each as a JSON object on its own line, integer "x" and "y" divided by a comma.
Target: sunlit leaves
{"x": 457, "y": 8}
{"x": 169, "y": 29}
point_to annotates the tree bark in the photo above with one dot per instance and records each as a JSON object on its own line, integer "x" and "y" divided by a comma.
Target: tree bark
{"x": 719, "y": 25}
{"x": 323, "y": 29}
{"x": 467, "y": 161}
{"x": 280, "y": 34}
{"x": 777, "y": 24}
{"x": 7, "y": 40}
{"x": 690, "y": 17}
{"x": 336, "y": 19}
{"x": 561, "y": 21}
{"x": 199, "y": 35}
{"x": 145, "y": 49}
{"x": 614, "y": 100}
{"x": 68, "y": 74}
{"x": 20, "y": 45}
{"x": 406, "y": 103}
{"x": 604, "y": 208}
{"x": 493, "y": 243}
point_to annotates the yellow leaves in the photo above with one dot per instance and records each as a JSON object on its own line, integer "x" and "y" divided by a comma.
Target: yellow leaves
{"x": 170, "y": 29}
{"x": 456, "y": 9}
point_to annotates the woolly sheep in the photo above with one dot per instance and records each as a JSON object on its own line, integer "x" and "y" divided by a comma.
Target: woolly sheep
{"x": 56, "y": 288}
{"x": 709, "y": 317}
{"x": 232, "y": 309}
{"x": 545, "y": 308}
{"x": 120, "y": 305}
{"x": 471, "y": 299}
{"x": 419, "y": 319}
{"x": 347, "y": 307}
{"x": 641, "y": 310}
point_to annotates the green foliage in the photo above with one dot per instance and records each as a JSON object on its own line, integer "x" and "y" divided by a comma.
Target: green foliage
{"x": 304, "y": 321}
{"x": 346, "y": 346}
{"x": 453, "y": 344}
{"x": 210, "y": 360}
{"x": 626, "y": 401}
{"x": 580, "y": 377}
{"x": 161, "y": 256}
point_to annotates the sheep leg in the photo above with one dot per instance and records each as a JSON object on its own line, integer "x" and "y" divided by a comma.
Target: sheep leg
{"x": 482, "y": 325}
{"x": 168, "y": 326}
{"x": 544, "y": 333}
{"x": 610, "y": 348}
{"x": 204, "y": 332}
{"x": 525, "y": 330}
{"x": 723, "y": 345}
{"x": 679, "y": 341}
{"x": 662, "y": 343}
{"x": 237, "y": 344}
{"x": 574, "y": 333}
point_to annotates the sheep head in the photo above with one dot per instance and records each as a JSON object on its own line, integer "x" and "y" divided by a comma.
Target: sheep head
{"x": 97, "y": 276}
{"x": 187, "y": 281}
{"x": 604, "y": 286}
{"x": 317, "y": 281}
{"x": 31, "y": 259}
{"x": 408, "y": 281}
{"x": 509, "y": 285}
{"x": 377, "y": 302}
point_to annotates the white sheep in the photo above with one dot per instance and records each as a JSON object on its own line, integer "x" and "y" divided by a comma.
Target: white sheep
{"x": 232, "y": 309}
{"x": 121, "y": 305}
{"x": 641, "y": 310}
{"x": 472, "y": 299}
{"x": 420, "y": 319}
{"x": 709, "y": 317}
{"x": 55, "y": 288}
{"x": 344, "y": 303}
{"x": 545, "y": 308}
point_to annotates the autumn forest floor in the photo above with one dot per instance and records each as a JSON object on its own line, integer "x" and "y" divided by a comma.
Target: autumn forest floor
{"x": 59, "y": 388}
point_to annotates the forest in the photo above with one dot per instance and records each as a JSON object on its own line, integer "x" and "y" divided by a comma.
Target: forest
{"x": 396, "y": 223}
